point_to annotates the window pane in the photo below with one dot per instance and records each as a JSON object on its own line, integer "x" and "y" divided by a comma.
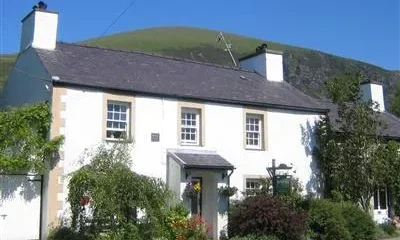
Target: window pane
{"x": 117, "y": 108}
{"x": 109, "y": 124}
{"x": 109, "y": 107}
{"x": 382, "y": 198}
{"x": 116, "y": 116}
{"x": 109, "y": 115}
{"x": 123, "y": 108}
{"x": 122, "y": 125}
{"x": 123, "y": 116}
{"x": 376, "y": 198}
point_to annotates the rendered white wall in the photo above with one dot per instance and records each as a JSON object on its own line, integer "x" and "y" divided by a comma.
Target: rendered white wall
{"x": 287, "y": 142}
{"x": 274, "y": 67}
{"x": 373, "y": 92}
{"x": 39, "y": 30}
{"x": 19, "y": 207}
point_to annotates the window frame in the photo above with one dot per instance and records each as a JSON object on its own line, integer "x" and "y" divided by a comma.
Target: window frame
{"x": 200, "y": 120}
{"x": 197, "y": 114}
{"x": 376, "y": 199}
{"x": 263, "y": 140}
{"x": 260, "y": 138}
{"x": 129, "y": 101}
{"x": 252, "y": 177}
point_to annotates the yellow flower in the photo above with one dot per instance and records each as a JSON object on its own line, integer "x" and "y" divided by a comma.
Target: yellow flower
{"x": 197, "y": 187}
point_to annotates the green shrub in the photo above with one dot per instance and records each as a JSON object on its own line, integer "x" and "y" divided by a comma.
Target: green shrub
{"x": 388, "y": 228}
{"x": 65, "y": 233}
{"x": 326, "y": 221}
{"x": 252, "y": 237}
{"x": 266, "y": 215}
{"x": 359, "y": 223}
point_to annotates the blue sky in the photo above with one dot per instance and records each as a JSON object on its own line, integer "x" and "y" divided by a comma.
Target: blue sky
{"x": 367, "y": 30}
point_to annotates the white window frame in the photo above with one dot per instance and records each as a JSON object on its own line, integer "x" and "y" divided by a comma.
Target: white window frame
{"x": 252, "y": 180}
{"x": 248, "y": 131}
{"x": 112, "y": 120}
{"x": 184, "y": 126}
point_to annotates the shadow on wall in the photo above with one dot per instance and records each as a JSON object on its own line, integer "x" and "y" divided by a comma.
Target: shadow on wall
{"x": 27, "y": 187}
{"x": 308, "y": 140}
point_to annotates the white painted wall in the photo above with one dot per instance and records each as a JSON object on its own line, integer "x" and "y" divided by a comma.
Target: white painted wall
{"x": 19, "y": 207}
{"x": 223, "y": 133}
{"x": 39, "y": 30}
{"x": 268, "y": 64}
{"x": 373, "y": 92}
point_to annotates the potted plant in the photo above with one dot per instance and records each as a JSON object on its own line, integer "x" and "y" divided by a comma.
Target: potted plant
{"x": 192, "y": 190}
{"x": 227, "y": 191}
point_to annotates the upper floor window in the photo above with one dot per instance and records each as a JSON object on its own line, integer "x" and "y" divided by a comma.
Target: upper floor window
{"x": 118, "y": 114}
{"x": 190, "y": 126}
{"x": 254, "y": 131}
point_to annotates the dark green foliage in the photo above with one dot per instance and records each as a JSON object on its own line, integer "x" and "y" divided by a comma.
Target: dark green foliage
{"x": 252, "y": 237}
{"x": 24, "y": 143}
{"x": 395, "y": 100}
{"x": 388, "y": 227}
{"x": 326, "y": 221}
{"x": 359, "y": 223}
{"x": 352, "y": 156}
{"x": 115, "y": 195}
{"x": 339, "y": 220}
{"x": 65, "y": 233}
{"x": 265, "y": 215}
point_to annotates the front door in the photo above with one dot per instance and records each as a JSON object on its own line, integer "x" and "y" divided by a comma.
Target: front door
{"x": 196, "y": 202}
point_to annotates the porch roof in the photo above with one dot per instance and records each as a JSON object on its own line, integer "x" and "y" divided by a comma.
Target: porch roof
{"x": 200, "y": 159}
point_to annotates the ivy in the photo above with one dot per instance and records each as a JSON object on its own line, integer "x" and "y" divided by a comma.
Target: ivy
{"x": 24, "y": 139}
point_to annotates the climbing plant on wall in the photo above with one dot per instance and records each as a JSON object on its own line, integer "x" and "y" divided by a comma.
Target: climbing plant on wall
{"x": 24, "y": 139}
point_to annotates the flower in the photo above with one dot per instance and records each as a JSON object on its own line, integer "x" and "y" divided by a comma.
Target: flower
{"x": 191, "y": 190}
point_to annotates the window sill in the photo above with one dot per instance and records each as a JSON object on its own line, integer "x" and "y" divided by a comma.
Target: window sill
{"x": 190, "y": 145}
{"x": 115, "y": 140}
{"x": 254, "y": 149}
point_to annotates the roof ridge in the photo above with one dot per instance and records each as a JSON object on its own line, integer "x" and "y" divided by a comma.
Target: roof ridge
{"x": 159, "y": 55}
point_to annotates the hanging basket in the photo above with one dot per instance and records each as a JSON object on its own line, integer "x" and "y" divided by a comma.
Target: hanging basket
{"x": 227, "y": 191}
{"x": 191, "y": 190}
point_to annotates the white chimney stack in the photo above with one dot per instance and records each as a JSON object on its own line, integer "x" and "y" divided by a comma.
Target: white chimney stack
{"x": 39, "y": 29}
{"x": 267, "y": 62}
{"x": 374, "y": 92}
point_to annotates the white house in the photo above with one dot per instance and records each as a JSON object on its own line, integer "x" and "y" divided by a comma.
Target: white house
{"x": 190, "y": 121}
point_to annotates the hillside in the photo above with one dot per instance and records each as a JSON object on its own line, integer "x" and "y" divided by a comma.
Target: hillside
{"x": 6, "y": 63}
{"x": 306, "y": 69}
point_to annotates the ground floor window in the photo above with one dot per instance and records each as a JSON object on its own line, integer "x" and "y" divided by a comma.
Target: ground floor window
{"x": 380, "y": 198}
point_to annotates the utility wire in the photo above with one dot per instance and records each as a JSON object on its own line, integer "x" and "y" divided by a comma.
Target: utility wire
{"x": 120, "y": 15}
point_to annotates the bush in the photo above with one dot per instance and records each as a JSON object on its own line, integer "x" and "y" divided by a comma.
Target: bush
{"x": 327, "y": 222}
{"x": 252, "y": 237}
{"x": 265, "y": 215}
{"x": 359, "y": 223}
{"x": 65, "y": 233}
{"x": 335, "y": 220}
{"x": 388, "y": 228}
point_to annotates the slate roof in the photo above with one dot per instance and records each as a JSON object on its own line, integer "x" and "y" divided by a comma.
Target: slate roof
{"x": 191, "y": 159}
{"x": 142, "y": 73}
{"x": 390, "y": 130}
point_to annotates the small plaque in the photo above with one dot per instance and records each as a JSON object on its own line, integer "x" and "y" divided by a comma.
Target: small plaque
{"x": 155, "y": 137}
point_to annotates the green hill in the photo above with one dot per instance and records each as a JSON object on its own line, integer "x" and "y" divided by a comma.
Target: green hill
{"x": 6, "y": 63}
{"x": 304, "y": 68}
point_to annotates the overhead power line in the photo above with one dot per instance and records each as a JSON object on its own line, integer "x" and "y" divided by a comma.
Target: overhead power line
{"x": 119, "y": 16}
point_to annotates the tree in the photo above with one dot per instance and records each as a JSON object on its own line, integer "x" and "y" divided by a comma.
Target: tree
{"x": 395, "y": 100}
{"x": 24, "y": 139}
{"x": 353, "y": 158}
{"x": 105, "y": 197}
